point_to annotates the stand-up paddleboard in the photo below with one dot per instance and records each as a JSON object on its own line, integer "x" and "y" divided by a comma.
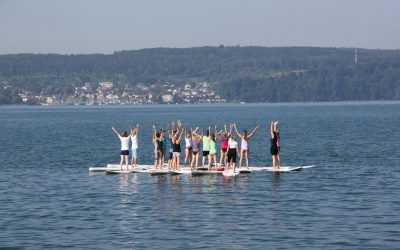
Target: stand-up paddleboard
{"x": 138, "y": 168}
{"x": 198, "y": 172}
{"x": 175, "y": 172}
{"x": 101, "y": 169}
{"x": 158, "y": 171}
{"x": 118, "y": 171}
{"x": 182, "y": 171}
{"x": 230, "y": 173}
{"x": 285, "y": 169}
{"x": 282, "y": 168}
{"x": 138, "y": 165}
{"x": 245, "y": 170}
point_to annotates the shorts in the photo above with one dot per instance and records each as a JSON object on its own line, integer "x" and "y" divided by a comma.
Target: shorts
{"x": 206, "y": 153}
{"x": 274, "y": 151}
{"x": 177, "y": 154}
{"x": 195, "y": 152}
{"x": 224, "y": 150}
{"x": 170, "y": 155}
{"x": 213, "y": 153}
{"x": 124, "y": 152}
{"x": 158, "y": 154}
{"x": 232, "y": 155}
{"x": 134, "y": 153}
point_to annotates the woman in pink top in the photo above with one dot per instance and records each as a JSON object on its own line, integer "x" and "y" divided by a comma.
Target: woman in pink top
{"x": 224, "y": 144}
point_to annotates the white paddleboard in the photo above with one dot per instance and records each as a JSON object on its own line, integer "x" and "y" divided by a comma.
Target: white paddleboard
{"x": 100, "y": 169}
{"x": 201, "y": 172}
{"x": 118, "y": 172}
{"x": 138, "y": 166}
{"x": 284, "y": 169}
{"x": 158, "y": 171}
{"x": 230, "y": 173}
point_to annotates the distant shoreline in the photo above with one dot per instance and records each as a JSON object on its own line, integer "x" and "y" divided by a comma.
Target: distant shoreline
{"x": 334, "y": 103}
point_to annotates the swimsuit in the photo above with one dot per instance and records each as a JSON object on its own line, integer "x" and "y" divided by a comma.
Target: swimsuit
{"x": 274, "y": 147}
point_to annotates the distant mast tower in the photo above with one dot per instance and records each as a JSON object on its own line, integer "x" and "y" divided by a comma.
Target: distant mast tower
{"x": 355, "y": 57}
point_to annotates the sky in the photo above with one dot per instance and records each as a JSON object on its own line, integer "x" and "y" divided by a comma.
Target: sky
{"x": 105, "y": 26}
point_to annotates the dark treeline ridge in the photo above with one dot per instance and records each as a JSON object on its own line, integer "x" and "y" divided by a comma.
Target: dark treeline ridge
{"x": 251, "y": 74}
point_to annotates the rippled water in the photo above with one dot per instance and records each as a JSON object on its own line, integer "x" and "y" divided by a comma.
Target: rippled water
{"x": 350, "y": 200}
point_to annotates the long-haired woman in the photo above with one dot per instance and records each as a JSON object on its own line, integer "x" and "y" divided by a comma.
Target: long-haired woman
{"x": 244, "y": 147}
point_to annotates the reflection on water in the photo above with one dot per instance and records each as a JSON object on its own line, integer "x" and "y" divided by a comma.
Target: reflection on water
{"x": 275, "y": 181}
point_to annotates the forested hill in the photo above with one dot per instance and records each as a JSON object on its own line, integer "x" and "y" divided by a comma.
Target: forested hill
{"x": 250, "y": 74}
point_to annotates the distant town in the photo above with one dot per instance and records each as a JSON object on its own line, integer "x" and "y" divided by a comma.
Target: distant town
{"x": 108, "y": 93}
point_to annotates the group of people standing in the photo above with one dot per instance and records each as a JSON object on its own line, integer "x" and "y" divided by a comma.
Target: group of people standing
{"x": 196, "y": 139}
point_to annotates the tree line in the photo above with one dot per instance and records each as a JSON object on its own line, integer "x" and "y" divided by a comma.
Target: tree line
{"x": 251, "y": 74}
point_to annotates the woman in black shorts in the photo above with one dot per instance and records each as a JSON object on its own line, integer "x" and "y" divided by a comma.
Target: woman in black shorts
{"x": 275, "y": 147}
{"x": 232, "y": 153}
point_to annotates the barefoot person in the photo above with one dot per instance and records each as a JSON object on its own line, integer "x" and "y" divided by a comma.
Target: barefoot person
{"x": 188, "y": 147}
{"x": 196, "y": 139}
{"x": 206, "y": 148}
{"x": 232, "y": 153}
{"x": 134, "y": 139}
{"x": 274, "y": 149}
{"x": 244, "y": 150}
{"x": 213, "y": 150}
{"x": 224, "y": 135}
{"x": 176, "y": 140}
{"x": 157, "y": 141}
{"x": 164, "y": 146}
{"x": 124, "y": 138}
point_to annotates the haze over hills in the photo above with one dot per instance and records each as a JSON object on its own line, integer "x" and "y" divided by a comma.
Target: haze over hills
{"x": 250, "y": 74}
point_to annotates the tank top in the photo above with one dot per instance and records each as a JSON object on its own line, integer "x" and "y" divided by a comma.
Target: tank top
{"x": 213, "y": 150}
{"x": 188, "y": 142}
{"x": 164, "y": 142}
{"x": 159, "y": 145}
{"x": 196, "y": 145}
{"x": 177, "y": 147}
{"x": 232, "y": 144}
{"x": 244, "y": 144}
{"x": 224, "y": 143}
{"x": 206, "y": 143}
{"x": 134, "y": 142}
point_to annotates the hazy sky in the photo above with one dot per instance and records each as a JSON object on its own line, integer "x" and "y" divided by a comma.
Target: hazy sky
{"x": 105, "y": 26}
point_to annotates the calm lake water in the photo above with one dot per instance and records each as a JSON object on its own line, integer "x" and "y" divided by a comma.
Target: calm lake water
{"x": 350, "y": 199}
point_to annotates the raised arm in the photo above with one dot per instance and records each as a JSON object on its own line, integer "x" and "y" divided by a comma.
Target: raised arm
{"x": 252, "y": 132}
{"x": 180, "y": 135}
{"x": 137, "y": 128}
{"x": 154, "y": 132}
{"x": 236, "y": 130}
{"x": 276, "y": 126}
{"x": 115, "y": 131}
{"x": 202, "y": 133}
{"x": 272, "y": 129}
